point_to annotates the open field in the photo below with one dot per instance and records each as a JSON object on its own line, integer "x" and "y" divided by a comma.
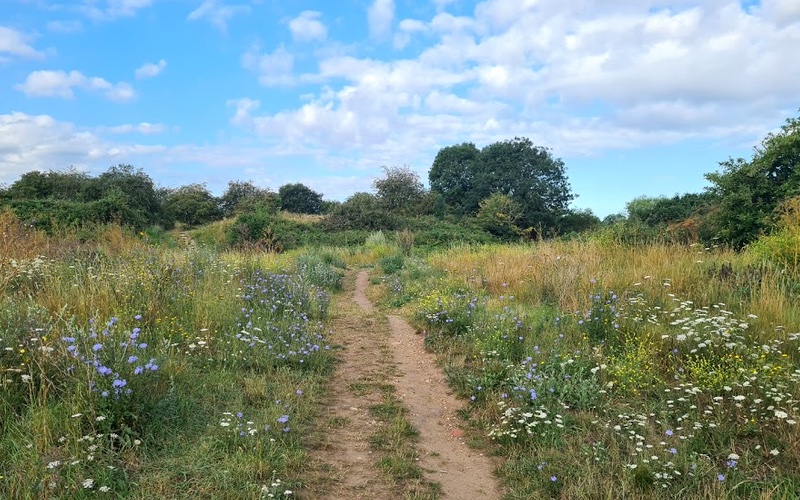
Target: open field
{"x": 590, "y": 369}
{"x": 609, "y": 371}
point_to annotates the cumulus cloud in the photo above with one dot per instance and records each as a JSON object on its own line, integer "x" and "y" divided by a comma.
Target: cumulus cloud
{"x": 581, "y": 78}
{"x": 273, "y": 68}
{"x": 17, "y": 44}
{"x": 47, "y": 83}
{"x": 149, "y": 70}
{"x": 379, "y": 16}
{"x": 307, "y": 27}
{"x": 217, "y": 14}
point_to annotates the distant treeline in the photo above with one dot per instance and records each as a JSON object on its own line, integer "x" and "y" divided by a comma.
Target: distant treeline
{"x": 508, "y": 190}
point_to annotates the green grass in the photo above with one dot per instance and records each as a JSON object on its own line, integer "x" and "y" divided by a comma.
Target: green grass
{"x": 160, "y": 372}
{"x": 603, "y": 370}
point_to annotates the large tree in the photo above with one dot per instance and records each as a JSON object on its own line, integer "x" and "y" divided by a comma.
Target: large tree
{"x": 300, "y": 199}
{"x": 193, "y": 205}
{"x": 749, "y": 192}
{"x": 526, "y": 173}
{"x": 401, "y": 191}
{"x": 452, "y": 173}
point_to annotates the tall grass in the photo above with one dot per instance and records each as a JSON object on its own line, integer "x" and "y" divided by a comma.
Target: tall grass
{"x": 604, "y": 369}
{"x": 156, "y": 372}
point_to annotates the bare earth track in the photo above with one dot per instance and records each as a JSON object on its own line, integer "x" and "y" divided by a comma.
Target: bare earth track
{"x": 376, "y": 354}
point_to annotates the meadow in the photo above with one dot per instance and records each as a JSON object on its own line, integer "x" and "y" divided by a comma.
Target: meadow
{"x": 133, "y": 370}
{"x": 597, "y": 369}
{"x": 134, "y": 367}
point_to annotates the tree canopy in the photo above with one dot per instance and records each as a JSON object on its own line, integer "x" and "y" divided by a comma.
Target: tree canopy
{"x": 401, "y": 191}
{"x": 526, "y": 173}
{"x": 300, "y": 199}
{"x": 749, "y": 192}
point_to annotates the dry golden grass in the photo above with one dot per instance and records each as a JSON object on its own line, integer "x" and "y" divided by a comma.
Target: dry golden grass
{"x": 302, "y": 218}
{"x": 566, "y": 273}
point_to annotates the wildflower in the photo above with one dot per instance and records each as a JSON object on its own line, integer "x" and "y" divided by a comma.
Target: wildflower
{"x": 88, "y": 483}
{"x": 731, "y": 463}
{"x": 283, "y": 419}
{"x": 53, "y": 464}
{"x": 299, "y": 392}
{"x": 668, "y": 432}
{"x": 553, "y": 478}
{"x": 673, "y": 451}
{"x": 133, "y": 359}
{"x": 137, "y": 317}
{"x": 97, "y": 347}
{"x": 774, "y": 452}
{"x": 720, "y": 477}
{"x": 104, "y": 489}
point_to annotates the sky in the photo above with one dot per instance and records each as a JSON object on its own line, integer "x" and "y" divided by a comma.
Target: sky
{"x": 637, "y": 97}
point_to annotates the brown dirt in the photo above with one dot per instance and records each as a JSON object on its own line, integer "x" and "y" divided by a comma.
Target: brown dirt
{"x": 376, "y": 353}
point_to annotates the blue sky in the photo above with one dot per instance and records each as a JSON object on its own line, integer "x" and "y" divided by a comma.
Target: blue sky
{"x": 638, "y": 97}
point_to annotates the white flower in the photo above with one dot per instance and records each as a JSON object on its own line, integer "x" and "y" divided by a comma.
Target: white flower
{"x": 774, "y": 452}
{"x": 733, "y": 456}
{"x": 105, "y": 489}
{"x": 53, "y": 464}
{"x": 781, "y": 414}
{"x": 88, "y": 483}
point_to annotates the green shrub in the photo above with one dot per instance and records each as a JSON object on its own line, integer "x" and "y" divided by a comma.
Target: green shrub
{"x": 392, "y": 263}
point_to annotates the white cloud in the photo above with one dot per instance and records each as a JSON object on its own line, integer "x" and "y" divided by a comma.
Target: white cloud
{"x": 379, "y": 16}
{"x": 581, "y": 79}
{"x": 307, "y": 27}
{"x": 275, "y": 68}
{"x": 108, "y": 10}
{"x": 40, "y": 142}
{"x": 65, "y": 27}
{"x": 47, "y": 83}
{"x": 16, "y": 44}
{"x": 217, "y": 14}
{"x": 143, "y": 128}
{"x": 149, "y": 70}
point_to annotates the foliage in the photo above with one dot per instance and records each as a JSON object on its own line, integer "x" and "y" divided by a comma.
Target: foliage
{"x": 300, "y": 199}
{"x": 262, "y": 230}
{"x": 361, "y": 211}
{"x": 192, "y": 205}
{"x": 56, "y": 200}
{"x": 750, "y": 191}
{"x": 782, "y": 246}
{"x": 243, "y": 196}
{"x": 499, "y": 214}
{"x": 526, "y": 173}
{"x": 400, "y": 191}
{"x": 452, "y": 174}
{"x": 575, "y": 221}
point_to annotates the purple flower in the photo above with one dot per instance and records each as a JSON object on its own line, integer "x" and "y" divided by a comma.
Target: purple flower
{"x": 137, "y": 317}
{"x": 138, "y": 370}
{"x": 668, "y": 432}
{"x": 731, "y": 463}
{"x": 299, "y": 392}
{"x": 283, "y": 419}
{"x": 97, "y": 347}
{"x": 720, "y": 477}
{"x": 239, "y": 414}
{"x": 120, "y": 382}
{"x": 133, "y": 359}
{"x": 104, "y": 394}
{"x": 553, "y": 478}
{"x": 673, "y": 451}
{"x": 142, "y": 346}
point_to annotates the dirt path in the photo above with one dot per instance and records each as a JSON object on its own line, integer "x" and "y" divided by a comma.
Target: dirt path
{"x": 378, "y": 356}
